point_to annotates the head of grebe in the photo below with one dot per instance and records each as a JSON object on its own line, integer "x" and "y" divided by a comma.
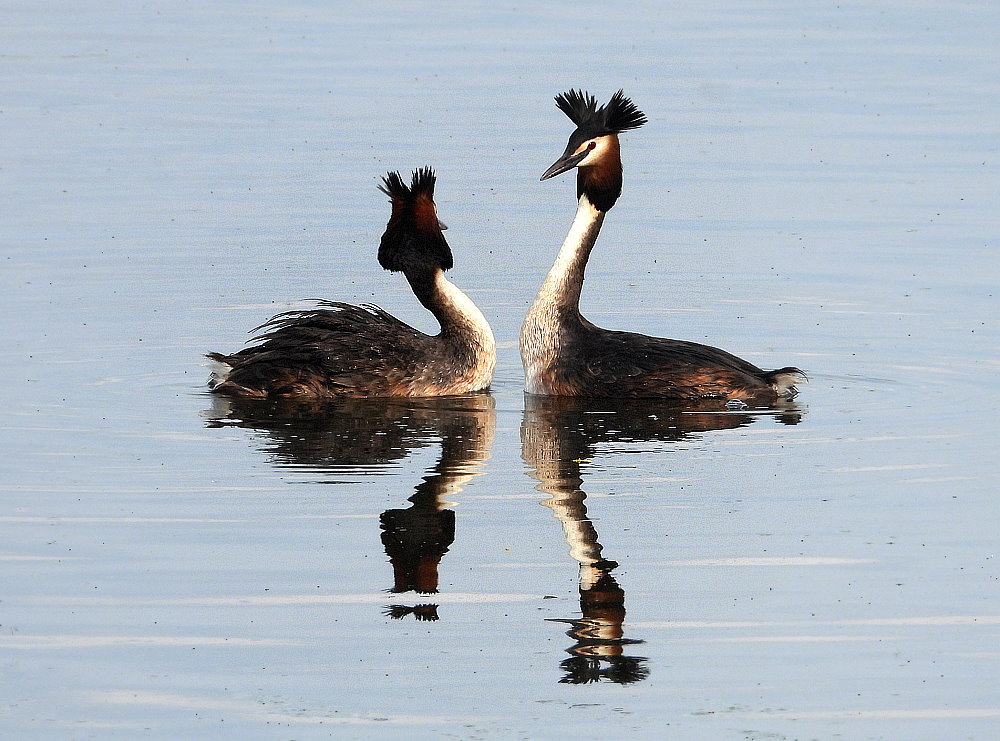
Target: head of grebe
{"x": 593, "y": 148}
{"x": 413, "y": 242}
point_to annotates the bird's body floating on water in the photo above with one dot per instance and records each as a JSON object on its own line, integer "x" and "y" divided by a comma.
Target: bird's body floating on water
{"x": 566, "y": 355}
{"x": 342, "y": 350}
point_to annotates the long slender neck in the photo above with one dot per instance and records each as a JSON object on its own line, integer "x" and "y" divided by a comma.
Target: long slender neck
{"x": 460, "y": 319}
{"x": 562, "y": 286}
{"x": 554, "y": 317}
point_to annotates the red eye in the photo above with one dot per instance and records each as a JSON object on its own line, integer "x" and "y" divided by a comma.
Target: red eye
{"x": 591, "y": 145}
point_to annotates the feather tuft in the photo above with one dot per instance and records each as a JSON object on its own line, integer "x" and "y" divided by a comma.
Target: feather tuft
{"x": 619, "y": 114}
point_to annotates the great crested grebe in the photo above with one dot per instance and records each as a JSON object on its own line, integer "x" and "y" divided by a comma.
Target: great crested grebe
{"x": 566, "y": 355}
{"x": 341, "y": 350}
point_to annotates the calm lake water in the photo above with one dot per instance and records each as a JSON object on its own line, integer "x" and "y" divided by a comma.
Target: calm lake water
{"x": 817, "y": 186}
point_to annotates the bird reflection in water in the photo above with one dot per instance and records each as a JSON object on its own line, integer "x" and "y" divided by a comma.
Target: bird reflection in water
{"x": 558, "y": 435}
{"x": 332, "y": 435}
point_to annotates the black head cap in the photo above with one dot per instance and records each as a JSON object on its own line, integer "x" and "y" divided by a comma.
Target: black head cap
{"x": 619, "y": 114}
{"x": 413, "y": 239}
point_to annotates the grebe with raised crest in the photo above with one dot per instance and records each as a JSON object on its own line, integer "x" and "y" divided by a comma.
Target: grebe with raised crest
{"x": 342, "y": 350}
{"x": 566, "y": 355}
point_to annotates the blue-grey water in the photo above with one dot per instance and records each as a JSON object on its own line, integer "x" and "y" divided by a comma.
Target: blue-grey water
{"x": 817, "y": 186}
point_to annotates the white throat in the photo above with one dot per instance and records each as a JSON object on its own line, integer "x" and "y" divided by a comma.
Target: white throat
{"x": 558, "y": 300}
{"x": 461, "y": 309}
{"x": 565, "y": 277}
{"x": 460, "y": 317}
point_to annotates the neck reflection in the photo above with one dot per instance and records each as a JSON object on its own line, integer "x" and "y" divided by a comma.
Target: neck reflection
{"x": 330, "y": 436}
{"x": 558, "y": 436}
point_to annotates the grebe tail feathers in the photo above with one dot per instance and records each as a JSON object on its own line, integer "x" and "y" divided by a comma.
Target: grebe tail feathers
{"x": 783, "y": 381}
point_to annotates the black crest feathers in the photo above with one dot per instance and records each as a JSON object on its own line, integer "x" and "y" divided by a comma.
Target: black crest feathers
{"x": 421, "y": 184}
{"x": 394, "y": 187}
{"x": 619, "y": 114}
{"x": 413, "y": 240}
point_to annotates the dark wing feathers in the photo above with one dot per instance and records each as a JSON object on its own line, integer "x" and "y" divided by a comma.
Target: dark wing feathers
{"x": 336, "y": 349}
{"x": 630, "y": 364}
